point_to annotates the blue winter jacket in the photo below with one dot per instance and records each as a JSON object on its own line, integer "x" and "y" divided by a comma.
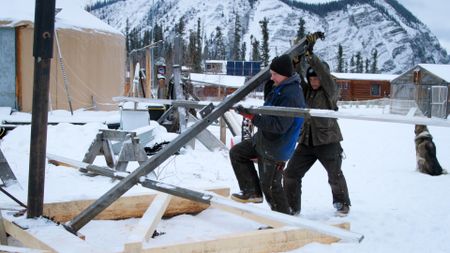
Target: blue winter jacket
{"x": 277, "y": 136}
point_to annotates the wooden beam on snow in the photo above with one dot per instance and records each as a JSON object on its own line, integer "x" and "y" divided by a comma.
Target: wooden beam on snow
{"x": 14, "y": 249}
{"x": 126, "y": 207}
{"x": 269, "y": 240}
{"x": 144, "y": 230}
{"x": 45, "y": 234}
{"x": 3, "y": 239}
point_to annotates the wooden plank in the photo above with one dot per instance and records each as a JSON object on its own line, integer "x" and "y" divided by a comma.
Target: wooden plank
{"x": 117, "y": 135}
{"x": 108, "y": 152}
{"x": 269, "y": 240}
{"x": 249, "y": 215}
{"x": 277, "y": 219}
{"x": 14, "y": 249}
{"x": 46, "y": 235}
{"x": 148, "y": 223}
{"x": 148, "y": 74}
{"x": 144, "y": 138}
{"x": 6, "y": 174}
{"x": 94, "y": 149}
{"x": 3, "y": 239}
{"x": 126, "y": 207}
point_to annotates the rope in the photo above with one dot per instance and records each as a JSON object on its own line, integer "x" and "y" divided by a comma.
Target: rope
{"x": 61, "y": 63}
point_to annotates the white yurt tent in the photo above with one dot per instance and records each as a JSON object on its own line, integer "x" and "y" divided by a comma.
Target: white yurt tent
{"x": 92, "y": 53}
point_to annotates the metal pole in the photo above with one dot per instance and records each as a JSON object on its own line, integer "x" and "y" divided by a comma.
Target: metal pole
{"x": 44, "y": 27}
{"x": 148, "y": 166}
{"x": 177, "y": 82}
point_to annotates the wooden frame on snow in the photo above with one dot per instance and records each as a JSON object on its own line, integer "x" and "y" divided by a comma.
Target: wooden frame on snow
{"x": 151, "y": 208}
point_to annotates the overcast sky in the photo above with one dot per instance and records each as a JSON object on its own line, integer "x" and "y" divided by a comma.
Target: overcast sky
{"x": 433, "y": 13}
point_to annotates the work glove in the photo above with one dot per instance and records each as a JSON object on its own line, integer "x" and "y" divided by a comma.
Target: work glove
{"x": 244, "y": 112}
{"x": 311, "y": 41}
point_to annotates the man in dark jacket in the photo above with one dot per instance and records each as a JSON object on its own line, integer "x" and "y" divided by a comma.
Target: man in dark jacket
{"x": 320, "y": 139}
{"x": 273, "y": 143}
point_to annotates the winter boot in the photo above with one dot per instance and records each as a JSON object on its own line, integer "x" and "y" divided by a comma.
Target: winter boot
{"x": 247, "y": 197}
{"x": 341, "y": 209}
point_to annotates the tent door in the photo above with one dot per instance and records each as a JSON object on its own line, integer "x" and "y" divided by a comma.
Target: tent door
{"x": 8, "y": 68}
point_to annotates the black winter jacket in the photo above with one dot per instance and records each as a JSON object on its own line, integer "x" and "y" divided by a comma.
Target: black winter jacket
{"x": 319, "y": 131}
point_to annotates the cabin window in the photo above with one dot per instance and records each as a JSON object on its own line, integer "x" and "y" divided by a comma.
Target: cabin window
{"x": 375, "y": 90}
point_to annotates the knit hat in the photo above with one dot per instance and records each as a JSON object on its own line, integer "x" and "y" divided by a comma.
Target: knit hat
{"x": 282, "y": 65}
{"x": 311, "y": 72}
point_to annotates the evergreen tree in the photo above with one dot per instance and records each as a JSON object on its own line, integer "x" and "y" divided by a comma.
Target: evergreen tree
{"x": 146, "y": 40}
{"x": 220, "y": 52}
{"x": 188, "y": 55}
{"x": 373, "y": 68}
{"x": 180, "y": 27}
{"x": 352, "y": 64}
{"x": 127, "y": 36}
{"x": 206, "y": 49}
{"x": 367, "y": 66}
{"x": 158, "y": 33}
{"x": 134, "y": 39}
{"x": 235, "y": 51}
{"x": 265, "y": 42}
{"x": 301, "y": 30}
{"x": 359, "y": 63}
{"x": 197, "y": 56}
{"x": 340, "y": 59}
{"x": 210, "y": 47}
{"x": 243, "y": 51}
{"x": 256, "y": 55}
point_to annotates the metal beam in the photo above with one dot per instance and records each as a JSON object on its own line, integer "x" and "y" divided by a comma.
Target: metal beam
{"x": 393, "y": 118}
{"x": 44, "y": 27}
{"x": 299, "y": 112}
{"x": 125, "y": 184}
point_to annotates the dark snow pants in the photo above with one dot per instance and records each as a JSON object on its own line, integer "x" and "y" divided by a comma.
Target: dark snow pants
{"x": 330, "y": 156}
{"x": 268, "y": 181}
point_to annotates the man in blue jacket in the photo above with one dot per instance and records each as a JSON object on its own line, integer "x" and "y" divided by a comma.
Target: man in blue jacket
{"x": 273, "y": 144}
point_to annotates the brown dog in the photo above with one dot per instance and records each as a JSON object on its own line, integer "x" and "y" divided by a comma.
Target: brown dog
{"x": 426, "y": 152}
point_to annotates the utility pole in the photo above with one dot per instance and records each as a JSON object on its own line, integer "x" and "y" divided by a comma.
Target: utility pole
{"x": 44, "y": 27}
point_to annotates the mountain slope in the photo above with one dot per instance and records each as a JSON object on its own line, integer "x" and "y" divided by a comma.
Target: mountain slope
{"x": 400, "y": 39}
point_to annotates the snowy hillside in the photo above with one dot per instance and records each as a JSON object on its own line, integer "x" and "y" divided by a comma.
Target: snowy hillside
{"x": 400, "y": 39}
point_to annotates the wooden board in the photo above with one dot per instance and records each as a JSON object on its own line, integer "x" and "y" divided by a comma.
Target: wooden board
{"x": 143, "y": 231}
{"x": 126, "y": 207}
{"x": 45, "y": 235}
{"x": 14, "y": 249}
{"x": 269, "y": 240}
{"x": 276, "y": 219}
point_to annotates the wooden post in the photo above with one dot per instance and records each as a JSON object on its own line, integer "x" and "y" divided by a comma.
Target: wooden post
{"x": 148, "y": 73}
{"x": 177, "y": 82}
{"x": 44, "y": 27}
{"x": 223, "y": 131}
{"x": 131, "y": 74}
{"x": 3, "y": 239}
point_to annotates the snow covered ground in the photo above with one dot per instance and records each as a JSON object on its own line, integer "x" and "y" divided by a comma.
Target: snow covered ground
{"x": 396, "y": 208}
